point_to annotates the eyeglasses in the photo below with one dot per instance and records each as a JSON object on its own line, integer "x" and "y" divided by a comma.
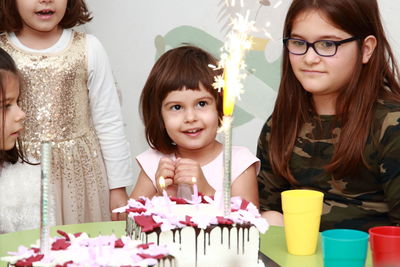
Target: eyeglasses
{"x": 324, "y": 48}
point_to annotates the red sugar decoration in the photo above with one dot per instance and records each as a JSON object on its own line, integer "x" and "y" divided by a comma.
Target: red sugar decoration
{"x": 119, "y": 244}
{"x": 28, "y": 261}
{"x": 146, "y": 222}
{"x": 148, "y": 256}
{"x": 188, "y": 222}
{"x": 60, "y": 244}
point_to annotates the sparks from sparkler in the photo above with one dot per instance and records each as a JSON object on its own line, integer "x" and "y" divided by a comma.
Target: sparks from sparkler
{"x": 233, "y": 3}
{"x": 232, "y": 61}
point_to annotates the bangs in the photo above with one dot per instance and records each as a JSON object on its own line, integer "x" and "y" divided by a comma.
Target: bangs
{"x": 188, "y": 74}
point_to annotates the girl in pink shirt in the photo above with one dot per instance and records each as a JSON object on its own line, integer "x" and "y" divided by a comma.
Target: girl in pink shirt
{"x": 182, "y": 112}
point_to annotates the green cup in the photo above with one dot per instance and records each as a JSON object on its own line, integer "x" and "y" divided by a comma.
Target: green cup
{"x": 344, "y": 248}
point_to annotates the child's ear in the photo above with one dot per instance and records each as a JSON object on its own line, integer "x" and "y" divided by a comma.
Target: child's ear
{"x": 368, "y": 48}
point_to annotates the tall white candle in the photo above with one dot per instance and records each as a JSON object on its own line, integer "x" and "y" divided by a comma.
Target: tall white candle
{"x": 195, "y": 189}
{"x": 161, "y": 181}
{"x": 45, "y": 161}
{"x": 232, "y": 61}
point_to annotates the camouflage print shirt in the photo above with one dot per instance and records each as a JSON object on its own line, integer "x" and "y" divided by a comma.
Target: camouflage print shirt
{"x": 370, "y": 199}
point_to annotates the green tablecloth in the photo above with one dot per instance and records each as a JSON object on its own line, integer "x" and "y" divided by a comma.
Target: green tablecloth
{"x": 272, "y": 243}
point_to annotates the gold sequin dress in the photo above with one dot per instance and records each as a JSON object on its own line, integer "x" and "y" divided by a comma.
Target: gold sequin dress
{"x": 54, "y": 95}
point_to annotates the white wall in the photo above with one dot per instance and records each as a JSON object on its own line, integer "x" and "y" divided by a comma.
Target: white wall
{"x": 128, "y": 30}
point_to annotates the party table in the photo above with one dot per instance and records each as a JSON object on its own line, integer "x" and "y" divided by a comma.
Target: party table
{"x": 272, "y": 243}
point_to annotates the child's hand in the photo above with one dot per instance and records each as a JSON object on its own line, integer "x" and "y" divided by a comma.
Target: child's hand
{"x": 186, "y": 169}
{"x": 118, "y": 198}
{"x": 166, "y": 169}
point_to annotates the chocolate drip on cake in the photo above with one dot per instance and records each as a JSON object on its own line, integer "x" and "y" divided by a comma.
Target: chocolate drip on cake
{"x": 158, "y": 232}
{"x": 208, "y": 231}
{"x": 196, "y": 232}
{"x": 171, "y": 259}
{"x": 229, "y": 235}
{"x": 247, "y": 226}
{"x": 205, "y": 241}
{"x": 237, "y": 238}
{"x": 173, "y": 234}
{"x": 243, "y": 229}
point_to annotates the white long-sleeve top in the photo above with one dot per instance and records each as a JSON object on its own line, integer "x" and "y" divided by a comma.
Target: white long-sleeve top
{"x": 104, "y": 105}
{"x": 19, "y": 207}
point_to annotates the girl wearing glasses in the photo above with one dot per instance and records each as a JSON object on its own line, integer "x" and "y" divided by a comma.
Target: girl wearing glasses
{"x": 335, "y": 127}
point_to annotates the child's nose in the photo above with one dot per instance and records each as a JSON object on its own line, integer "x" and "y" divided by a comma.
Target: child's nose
{"x": 311, "y": 56}
{"x": 20, "y": 116}
{"x": 190, "y": 115}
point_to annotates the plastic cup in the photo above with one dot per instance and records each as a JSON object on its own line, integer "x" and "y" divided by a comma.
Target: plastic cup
{"x": 344, "y": 248}
{"x": 302, "y": 215}
{"x": 385, "y": 246}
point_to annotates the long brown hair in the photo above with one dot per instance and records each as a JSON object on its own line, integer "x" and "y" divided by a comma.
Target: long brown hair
{"x": 378, "y": 79}
{"x": 178, "y": 68}
{"x": 7, "y": 65}
{"x": 76, "y": 14}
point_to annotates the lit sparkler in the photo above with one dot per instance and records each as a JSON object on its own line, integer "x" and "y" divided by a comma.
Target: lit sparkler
{"x": 232, "y": 61}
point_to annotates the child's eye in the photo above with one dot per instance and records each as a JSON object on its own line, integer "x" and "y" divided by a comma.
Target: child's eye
{"x": 298, "y": 43}
{"x": 326, "y": 44}
{"x": 176, "y": 107}
{"x": 202, "y": 103}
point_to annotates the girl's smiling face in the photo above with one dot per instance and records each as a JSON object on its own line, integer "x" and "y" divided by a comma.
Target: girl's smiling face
{"x": 41, "y": 16}
{"x": 323, "y": 77}
{"x": 13, "y": 116}
{"x": 190, "y": 118}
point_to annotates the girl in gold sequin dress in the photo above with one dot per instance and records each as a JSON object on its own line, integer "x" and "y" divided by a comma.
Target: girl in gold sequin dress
{"x": 70, "y": 100}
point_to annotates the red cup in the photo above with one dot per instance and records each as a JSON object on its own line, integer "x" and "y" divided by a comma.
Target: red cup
{"x": 385, "y": 246}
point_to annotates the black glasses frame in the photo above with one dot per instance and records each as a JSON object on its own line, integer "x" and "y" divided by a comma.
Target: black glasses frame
{"x": 337, "y": 44}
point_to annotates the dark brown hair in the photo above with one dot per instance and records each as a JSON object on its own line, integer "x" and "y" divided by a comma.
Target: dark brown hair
{"x": 378, "y": 79}
{"x": 76, "y": 14}
{"x": 177, "y": 69}
{"x": 7, "y": 65}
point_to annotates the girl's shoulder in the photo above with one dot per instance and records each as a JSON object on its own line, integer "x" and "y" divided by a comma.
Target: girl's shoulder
{"x": 385, "y": 110}
{"x": 151, "y": 155}
{"x": 267, "y": 126}
{"x": 241, "y": 150}
{"x": 242, "y": 156}
{"x": 92, "y": 39}
{"x": 18, "y": 173}
{"x": 386, "y": 123}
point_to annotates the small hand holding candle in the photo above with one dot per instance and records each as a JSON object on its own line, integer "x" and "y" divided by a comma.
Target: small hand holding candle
{"x": 186, "y": 169}
{"x": 166, "y": 169}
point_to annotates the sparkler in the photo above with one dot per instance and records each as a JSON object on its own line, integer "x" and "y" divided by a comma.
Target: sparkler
{"x": 232, "y": 61}
{"x": 44, "y": 197}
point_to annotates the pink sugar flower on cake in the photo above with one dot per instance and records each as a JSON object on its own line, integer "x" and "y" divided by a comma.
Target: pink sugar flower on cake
{"x": 23, "y": 251}
{"x": 204, "y": 220}
{"x": 167, "y": 223}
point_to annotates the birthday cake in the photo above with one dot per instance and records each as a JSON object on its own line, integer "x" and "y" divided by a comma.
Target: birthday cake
{"x": 198, "y": 232}
{"x": 80, "y": 250}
